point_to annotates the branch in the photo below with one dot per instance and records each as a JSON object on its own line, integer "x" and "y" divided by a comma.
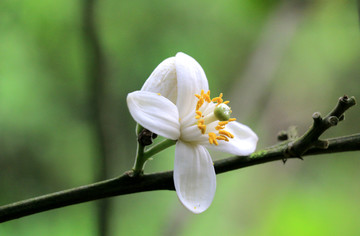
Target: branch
{"x": 127, "y": 184}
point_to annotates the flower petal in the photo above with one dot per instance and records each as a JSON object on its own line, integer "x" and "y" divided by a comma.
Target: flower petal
{"x": 191, "y": 79}
{"x": 194, "y": 176}
{"x": 163, "y": 80}
{"x": 244, "y": 142}
{"x": 155, "y": 113}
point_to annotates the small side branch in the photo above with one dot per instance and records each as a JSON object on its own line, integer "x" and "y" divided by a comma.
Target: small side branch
{"x": 311, "y": 138}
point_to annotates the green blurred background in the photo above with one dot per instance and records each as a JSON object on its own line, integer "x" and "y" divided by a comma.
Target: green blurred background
{"x": 63, "y": 109}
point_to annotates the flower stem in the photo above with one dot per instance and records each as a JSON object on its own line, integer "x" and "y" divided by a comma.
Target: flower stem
{"x": 159, "y": 147}
{"x": 142, "y": 156}
{"x": 140, "y": 160}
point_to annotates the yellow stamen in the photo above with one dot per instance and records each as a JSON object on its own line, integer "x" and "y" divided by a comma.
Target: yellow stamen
{"x": 220, "y": 138}
{"x": 201, "y": 126}
{"x": 226, "y": 138}
{"x": 218, "y": 100}
{"x": 199, "y": 103}
{"x": 198, "y": 114}
{"x": 221, "y": 135}
{"x": 226, "y": 133}
{"x": 212, "y": 138}
{"x": 222, "y": 123}
{"x": 159, "y": 94}
{"x": 207, "y": 96}
{"x": 219, "y": 127}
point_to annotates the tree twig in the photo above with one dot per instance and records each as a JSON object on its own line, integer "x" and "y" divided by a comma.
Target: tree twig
{"x": 127, "y": 184}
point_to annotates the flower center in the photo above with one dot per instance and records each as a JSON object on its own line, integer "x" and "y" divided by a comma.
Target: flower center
{"x": 213, "y": 110}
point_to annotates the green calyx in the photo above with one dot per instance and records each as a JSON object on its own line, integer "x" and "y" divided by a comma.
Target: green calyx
{"x": 222, "y": 112}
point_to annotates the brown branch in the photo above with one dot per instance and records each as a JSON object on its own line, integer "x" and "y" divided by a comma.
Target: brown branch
{"x": 127, "y": 184}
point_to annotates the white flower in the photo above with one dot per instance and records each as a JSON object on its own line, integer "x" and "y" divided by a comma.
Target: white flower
{"x": 175, "y": 103}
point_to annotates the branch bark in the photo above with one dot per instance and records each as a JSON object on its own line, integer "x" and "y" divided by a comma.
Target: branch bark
{"x": 125, "y": 184}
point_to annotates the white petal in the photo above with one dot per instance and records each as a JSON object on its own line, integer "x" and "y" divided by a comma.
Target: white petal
{"x": 163, "y": 80}
{"x": 244, "y": 142}
{"x": 155, "y": 113}
{"x": 191, "y": 80}
{"x": 194, "y": 176}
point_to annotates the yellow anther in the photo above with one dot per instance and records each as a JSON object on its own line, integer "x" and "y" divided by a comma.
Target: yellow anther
{"x": 218, "y": 100}
{"x": 222, "y": 123}
{"x": 219, "y": 127}
{"x": 225, "y": 138}
{"x": 198, "y": 96}
{"x": 232, "y": 119}
{"x": 159, "y": 94}
{"x": 199, "y": 103}
{"x": 207, "y": 97}
{"x": 226, "y": 133}
{"x": 226, "y": 102}
{"x": 198, "y": 114}
{"x": 220, "y": 138}
{"x": 215, "y": 99}
{"x": 201, "y": 126}
{"x": 212, "y": 138}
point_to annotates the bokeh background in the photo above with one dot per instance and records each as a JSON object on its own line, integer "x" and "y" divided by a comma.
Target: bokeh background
{"x": 67, "y": 66}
